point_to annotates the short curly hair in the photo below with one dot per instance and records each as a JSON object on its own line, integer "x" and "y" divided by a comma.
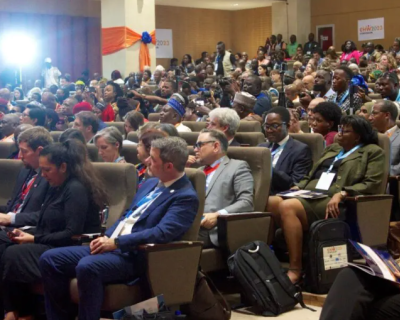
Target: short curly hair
{"x": 330, "y": 112}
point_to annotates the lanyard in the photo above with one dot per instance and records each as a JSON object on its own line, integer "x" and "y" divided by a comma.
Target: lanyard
{"x": 341, "y": 156}
{"x": 273, "y": 153}
{"x": 343, "y": 98}
{"x": 118, "y": 159}
{"x": 145, "y": 202}
{"x": 209, "y": 169}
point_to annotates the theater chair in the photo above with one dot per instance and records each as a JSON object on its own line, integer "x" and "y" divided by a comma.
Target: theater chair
{"x": 251, "y": 139}
{"x": 314, "y": 141}
{"x": 6, "y": 148}
{"x": 93, "y": 153}
{"x": 304, "y": 126}
{"x": 236, "y": 230}
{"x": 154, "y": 117}
{"x": 118, "y": 125}
{"x": 9, "y": 170}
{"x": 375, "y": 96}
{"x": 171, "y": 269}
{"x": 56, "y": 135}
{"x": 371, "y": 85}
{"x": 195, "y": 126}
{"x": 249, "y": 126}
{"x": 129, "y": 151}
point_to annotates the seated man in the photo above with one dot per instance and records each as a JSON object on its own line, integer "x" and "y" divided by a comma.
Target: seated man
{"x": 383, "y": 118}
{"x": 243, "y": 104}
{"x": 22, "y": 127}
{"x": 33, "y": 115}
{"x": 162, "y": 211}
{"x": 8, "y": 124}
{"x": 388, "y": 87}
{"x": 31, "y": 188}
{"x": 87, "y": 123}
{"x": 227, "y": 121}
{"x": 229, "y": 183}
{"x": 173, "y": 113}
{"x": 253, "y": 85}
{"x": 291, "y": 159}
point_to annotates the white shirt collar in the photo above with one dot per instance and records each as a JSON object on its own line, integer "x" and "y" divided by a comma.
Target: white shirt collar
{"x": 391, "y": 130}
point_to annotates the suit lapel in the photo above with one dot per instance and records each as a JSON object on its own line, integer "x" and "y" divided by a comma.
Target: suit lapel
{"x": 217, "y": 174}
{"x": 395, "y": 135}
{"x": 36, "y": 184}
{"x": 285, "y": 152}
{"x": 144, "y": 191}
{"x": 354, "y": 155}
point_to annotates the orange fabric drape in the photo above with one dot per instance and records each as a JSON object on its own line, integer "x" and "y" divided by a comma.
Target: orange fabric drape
{"x": 118, "y": 38}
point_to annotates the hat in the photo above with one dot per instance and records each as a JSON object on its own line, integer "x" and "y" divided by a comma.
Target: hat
{"x": 177, "y": 106}
{"x": 82, "y": 106}
{"x": 80, "y": 83}
{"x": 245, "y": 99}
{"x": 47, "y": 60}
{"x": 375, "y": 74}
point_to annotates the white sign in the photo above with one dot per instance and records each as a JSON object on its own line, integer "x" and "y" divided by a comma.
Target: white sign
{"x": 164, "y": 45}
{"x": 335, "y": 257}
{"x": 371, "y": 29}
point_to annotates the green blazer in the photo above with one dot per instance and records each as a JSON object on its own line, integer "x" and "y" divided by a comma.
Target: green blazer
{"x": 361, "y": 173}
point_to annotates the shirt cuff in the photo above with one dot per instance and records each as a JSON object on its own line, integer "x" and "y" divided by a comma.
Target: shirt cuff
{"x": 12, "y": 214}
{"x": 223, "y": 211}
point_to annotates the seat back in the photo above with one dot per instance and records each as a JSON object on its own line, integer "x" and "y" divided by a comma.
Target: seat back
{"x": 304, "y": 126}
{"x": 120, "y": 183}
{"x": 6, "y": 148}
{"x": 253, "y": 139}
{"x": 118, "y": 125}
{"x": 195, "y": 126}
{"x": 249, "y": 126}
{"x": 154, "y": 117}
{"x": 375, "y": 96}
{"x": 133, "y": 136}
{"x": 371, "y": 85}
{"x": 93, "y": 153}
{"x": 9, "y": 170}
{"x": 189, "y": 137}
{"x": 130, "y": 153}
{"x": 198, "y": 180}
{"x": 314, "y": 141}
{"x": 56, "y": 135}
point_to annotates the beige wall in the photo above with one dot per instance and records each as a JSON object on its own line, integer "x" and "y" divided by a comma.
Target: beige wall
{"x": 344, "y": 14}
{"x": 85, "y": 8}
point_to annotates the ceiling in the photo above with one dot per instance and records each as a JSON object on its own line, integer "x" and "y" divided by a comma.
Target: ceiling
{"x": 217, "y": 4}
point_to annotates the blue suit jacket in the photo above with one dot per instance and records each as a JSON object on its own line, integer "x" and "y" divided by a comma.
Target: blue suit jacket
{"x": 167, "y": 219}
{"x": 293, "y": 164}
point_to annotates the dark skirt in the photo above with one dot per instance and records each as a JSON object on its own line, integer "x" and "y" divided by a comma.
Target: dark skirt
{"x": 315, "y": 209}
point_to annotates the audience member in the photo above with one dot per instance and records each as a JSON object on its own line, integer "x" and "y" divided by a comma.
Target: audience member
{"x": 87, "y": 123}
{"x": 173, "y": 113}
{"x": 308, "y": 82}
{"x": 109, "y": 144}
{"x": 18, "y": 95}
{"x": 294, "y": 121}
{"x": 111, "y": 93}
{"x": 388, "y": 87}
{"x": 365, "y": 110}
{"x": 310, "y": 114}
{"x": 8, "y": 124}
{"x": 225, "y": 62}
{"x": 133, "y": 120}
{"x": 340, "y": 84}
{"x": 311, "y": 45}
{"x": 229, "y": 183}
{"x": 168, "y": 216}
{"x": 243, "y": 104}
{"x": 327, "y": 117}
{"x": 33, "y": 115}
{"x": 227, "y": 121}
{"x": 292, "y": 46}
{"x": 323, "y": 84}
{"x": 22, "y": 127}
{"x": 350, "y": 51}
{"x": 50, "y": 73}
{"x": 72, "y": 134}
{"x": 252, "y": 85}
{"x": 52, "y": 119}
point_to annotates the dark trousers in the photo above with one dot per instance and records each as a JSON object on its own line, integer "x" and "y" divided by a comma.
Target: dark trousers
{"x": 58, "y": 266}
{"x": 355, "y": 295}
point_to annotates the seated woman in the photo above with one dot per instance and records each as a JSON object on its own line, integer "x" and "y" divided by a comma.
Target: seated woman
{"x": 327, "y": 117}
{"x": 356, "y": 163}
{"x": 109, "y": 143}
{"x": 72, "y": 207}
{"x": 133, "y": 120}
{"x": 143, "y": 150}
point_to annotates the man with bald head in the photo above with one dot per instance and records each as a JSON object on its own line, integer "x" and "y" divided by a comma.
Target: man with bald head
{"x": 308, "y": 82}
{"x": 310, "y": 114}
{"x": 323, "y": 84}
{"x": 8, "y": 124}
{"x": 50, "y": 101}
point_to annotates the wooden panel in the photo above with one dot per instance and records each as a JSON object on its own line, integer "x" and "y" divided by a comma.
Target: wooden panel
{"x": 345, "y": 14}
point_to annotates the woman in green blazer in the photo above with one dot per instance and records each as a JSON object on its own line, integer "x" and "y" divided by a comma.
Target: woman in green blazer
{"x": 356, "y": 165}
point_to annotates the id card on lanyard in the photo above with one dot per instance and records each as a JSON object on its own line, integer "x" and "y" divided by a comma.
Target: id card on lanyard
{"x": 325, "y": 181}
{"x": 339, "y": 103}
{"x": 275, "y": 152}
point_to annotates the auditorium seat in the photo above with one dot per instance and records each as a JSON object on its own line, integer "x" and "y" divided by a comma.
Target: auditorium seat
{"x": 375, "y": 96}
{"x": 129, "y": 151}
{"x": 314, "y": 141}
{"x": 170, "y": 269}
{"x": 371, "y": 85}
{"x": 251, "y": 139}
{"x": 154, "y": 117}
{"x": 195, "y": 126}
{"x": 6, "y": 149}
{"x": 237, "y": 230}
{"x": 56, "y": 135}
{"x": 249, "y": 126}
{"x": 118, "y": 125}
{"x": 93, "y": 153}
{"x": 304, "y": 126}
{"x": 9, "y": 170}
{"x": 133, "y": 136}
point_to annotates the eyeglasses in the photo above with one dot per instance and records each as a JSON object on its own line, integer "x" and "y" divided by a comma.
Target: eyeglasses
{"x": 375, "y": 113}
{"x": 274, "y": 126}
{"x": 200, "y": 144}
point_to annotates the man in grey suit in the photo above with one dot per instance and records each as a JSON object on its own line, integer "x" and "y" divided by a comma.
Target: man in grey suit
{"x": 229, "y": 183}
{"x": 383, "y": 118}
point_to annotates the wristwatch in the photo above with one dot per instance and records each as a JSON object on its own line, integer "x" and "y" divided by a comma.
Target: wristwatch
{"x": 343, "y": 194}
{"x": 116, "y": 242}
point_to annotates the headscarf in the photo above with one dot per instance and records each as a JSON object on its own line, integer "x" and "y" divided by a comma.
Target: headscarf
{"x": 82, "y": 106}
{"x": 177, "y": 106}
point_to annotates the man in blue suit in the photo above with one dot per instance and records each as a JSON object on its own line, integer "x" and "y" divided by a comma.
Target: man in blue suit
{"x": 162, "y": 211}
{"x": 291, "y": 159}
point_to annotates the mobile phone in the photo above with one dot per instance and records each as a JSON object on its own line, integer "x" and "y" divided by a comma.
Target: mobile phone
{"x": 200, "y": 102}
{"x": 92, "y": 89}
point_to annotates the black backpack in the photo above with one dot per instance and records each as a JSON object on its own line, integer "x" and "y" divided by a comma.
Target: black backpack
{"x": 264, "y": 283}
{"x": 325, "y": 234}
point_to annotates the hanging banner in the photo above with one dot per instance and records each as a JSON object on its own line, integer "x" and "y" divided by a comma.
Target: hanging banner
{"x": 164, "y": 45}
{"x": 371, "y": 29}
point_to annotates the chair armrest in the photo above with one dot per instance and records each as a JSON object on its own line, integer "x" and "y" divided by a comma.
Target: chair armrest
{"x": 369, "y": 198}
{"x": 84, "y": 238}
{"x": 171, "y": 269}
{"x": 236, "y": 230}
{"x": 394, "y": 178}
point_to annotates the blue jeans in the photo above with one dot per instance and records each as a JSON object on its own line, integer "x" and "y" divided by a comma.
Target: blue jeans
{"x": 59, "y": 266}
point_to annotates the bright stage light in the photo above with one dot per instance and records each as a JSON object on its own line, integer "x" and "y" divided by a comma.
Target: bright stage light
{"x": 19, "y": 49}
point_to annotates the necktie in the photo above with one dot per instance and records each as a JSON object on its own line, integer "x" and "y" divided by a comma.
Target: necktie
{"x": 274, "y": 146}
{"x": 24, "y": 191}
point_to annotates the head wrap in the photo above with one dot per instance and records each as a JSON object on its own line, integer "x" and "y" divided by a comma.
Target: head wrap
{"x": 82, "y": 106}
{"x": 245, "y": 99}
{"x": 376, "y": 74}
{"x": 177, "y": 106}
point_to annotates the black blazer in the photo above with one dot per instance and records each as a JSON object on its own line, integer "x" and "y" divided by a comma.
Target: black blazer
{"x": 68, "y": 210}
{"x": 30, "y": 210}
{"x": 293, "y": 164}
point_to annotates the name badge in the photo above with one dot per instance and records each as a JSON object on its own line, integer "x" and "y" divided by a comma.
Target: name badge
{"x": 216, "y": 67}
{"x": 324, "y": 183}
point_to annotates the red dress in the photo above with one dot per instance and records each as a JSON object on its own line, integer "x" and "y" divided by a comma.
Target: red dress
{"x": 108, "y": 114}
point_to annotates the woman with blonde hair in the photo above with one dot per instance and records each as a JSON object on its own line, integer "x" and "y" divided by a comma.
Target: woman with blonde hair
{"x": 388, "y": 61}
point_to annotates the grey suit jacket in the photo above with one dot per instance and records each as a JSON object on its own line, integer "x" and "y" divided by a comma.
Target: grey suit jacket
{"x": 395, "y": 153}
{"x": 231, "y": 188}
